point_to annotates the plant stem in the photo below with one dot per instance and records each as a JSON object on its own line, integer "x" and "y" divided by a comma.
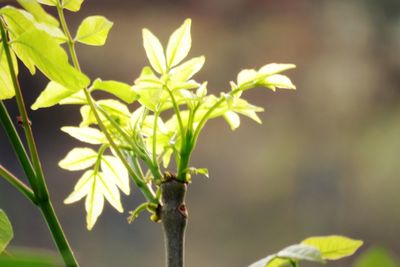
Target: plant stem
{"x": 18, "y": 184}
{"x": 42, "y": 195}
{"x": 174, "y": 217}
{"x": 17, "y": 145}
{"x": 58, "y": 234}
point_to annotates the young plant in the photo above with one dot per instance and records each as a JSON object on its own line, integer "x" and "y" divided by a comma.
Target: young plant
{"x": 136, "y": 133}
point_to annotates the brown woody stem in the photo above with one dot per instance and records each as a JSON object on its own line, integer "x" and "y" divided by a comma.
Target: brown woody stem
{"x": 173, "y": 214}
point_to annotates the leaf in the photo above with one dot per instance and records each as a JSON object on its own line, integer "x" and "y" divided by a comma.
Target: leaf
{"x": 115, "y": 109}
{"x": 72, "y": 5}
{"x": 179, "y": 44}
{"x": 278, "y": 80}
{"x": 52, "y": 95}
{"x": 114, "y": 169}
{"x": 48, "y": 2}
{"x": 119, "y": 89}
{"x": 233, "y": 119}
{"x": 301, "y": 252}
{"x": 274, "y": 68}
{"x": 79, "y": 158}
{"x": 202, "y": 171}
{"x": 86, "y": 134}
{"x": 334, "y": 247}
{"x": 29, "y": 258}
{"x": 50, "y": 58}
{"x": 78, "y": 98}
{"x": 6, "y": 231}
{"x": 6, "y": 84}
{"x": 95, "y": 186}
{"x": 38, "y": 12}
{"x": 270, "y": 261}
{"x": 93, "y": 30}
{"x": 376, "y": 256}
{"x": 186, "y": 70}
{"x": 154, "y": 51}
{"x": 246, "y": 76}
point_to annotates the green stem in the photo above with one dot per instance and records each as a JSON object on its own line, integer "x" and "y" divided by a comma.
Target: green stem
{"x": 58, "y": 234}
{"x": 42, "y": 194}
{"x": 18, "y": 184}
{"x": 156, "y": 114}
{"x": 177, "y": 111}
{"x": 17, "y": 145}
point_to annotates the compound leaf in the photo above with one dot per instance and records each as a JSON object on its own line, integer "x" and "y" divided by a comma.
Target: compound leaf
{"x": 179, "y": 44}
{"x": 154, "y": 51}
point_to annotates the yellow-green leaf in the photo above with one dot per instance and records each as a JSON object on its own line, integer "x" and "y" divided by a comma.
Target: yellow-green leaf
{"x": 79, "y": 158}
{"x": 114, "y": 169}
{"x": 85, "y": 134}
{"x": 274, "y": 68}
{"x": 278, "y": 81}
{"x": 6, "y": 231}
{"x": 48, "y": 2}
{"x": 154, "y": 51}
{"x": 186, "y": 70}
{"x": 6, "y": 84}
{"x": 233, "y": 119}
{"x": 179, "y": 44}
{"x": 119, "y": 89}
{"x": 334, "y": 247}
{"x": 50, "y": 58}
{"x": 33, "y": 7}
{"x": 52, "y": 95}
{"x": 72, "y": 5}
{"x": 93, "y": 30}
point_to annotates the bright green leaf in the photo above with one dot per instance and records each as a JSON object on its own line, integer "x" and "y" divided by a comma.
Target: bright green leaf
{"x": 186, "y": 70}
{"x": 375, "y": 257}
{"x": 334, "y": 247}
{"x": 93, "y": 30}
{"x": 48, "y": 2}
{"x": 179, "y": 44}
{"x": 6, "y": 84}
{"x": 72, "y": 5}
{"x": 78, "y": 98}
{"x": 33, "y": 7}
{"x": 86, "y": 134}
{"x": 119, "y": 89}
{"x": 271, "y": 261}
{"x": 95, "y": 186}
{"x": 154, "y": 51}
{"x": 114, "y": 169}
{"x": 233, "y": 119}
{"x": 52, "y": 95}
{"x": 274, "y": 68}
{"x": 6, "y": 231}
{"x": 301, "y": 252}
{"x": 79, "y": 158}
{"x": 278, "y": 80}
{"x": 50, "y": 58}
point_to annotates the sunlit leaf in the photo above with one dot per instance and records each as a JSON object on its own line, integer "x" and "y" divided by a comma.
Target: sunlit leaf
{"x": 78, "y": 159}
{"x": 301, "y": 252}
{"x": 6, "y": 84}
{"x": 119, "y": 89}
{"x": 274, "y": 68}
{"x": 38, "y": 12}
{"x": 48, "y": 2}
{"x": 334, "y": 247}
{"x": 85, "y": 134}
{"x": 6, "y": 231}
{"x": 72, "y": 5}
{"x": 95, "y": 186}
{"x": 50, "y": 58}
{"x": 232, "y": 118}
{"x": 93, "y": 30}
{"x": 154, "y": 51}
{"x": 278, "y": 81}
{"x": 186, "y": 70}
{"x": 52, "y": 95}
{"x": 78, "y": 98}
{"x": 271, "y": 261}
{"x": 179, "y": 44}
{"x": 114, "y": 169}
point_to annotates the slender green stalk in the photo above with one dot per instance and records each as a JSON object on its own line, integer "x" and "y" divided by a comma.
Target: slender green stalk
{"x": 156, "y": 114}
{"x": 177, "y": 111}
{"x": 18, "y": 184}
{"x": 58, "y": 234}
{"x": 42, "y": 195}
{"x": 146, "y": 189}
{"x": 17, "y": 145}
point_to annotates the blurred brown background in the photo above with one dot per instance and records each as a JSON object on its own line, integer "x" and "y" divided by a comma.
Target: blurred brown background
{"x": 326, "y": 159}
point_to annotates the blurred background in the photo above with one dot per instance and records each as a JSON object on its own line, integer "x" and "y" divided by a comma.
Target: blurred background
{"x": 326, "y": 159}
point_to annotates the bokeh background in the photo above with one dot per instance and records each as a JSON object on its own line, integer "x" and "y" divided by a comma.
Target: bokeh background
{"x": 325, "y": 160}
